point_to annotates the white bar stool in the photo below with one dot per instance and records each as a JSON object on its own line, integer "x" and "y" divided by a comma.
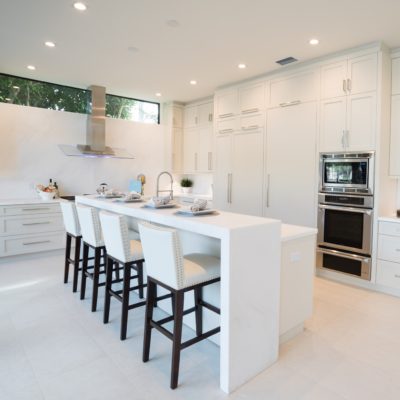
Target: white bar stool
{"x": 166, "y": 266}
{"x": 92, "y": 239}
{"x": 128, "y": 253}
{"x": 73, "y": 229}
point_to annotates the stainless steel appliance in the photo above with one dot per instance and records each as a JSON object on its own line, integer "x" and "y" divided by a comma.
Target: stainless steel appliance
{"x": 347, "y": 173}
{"x": 345, "y": 213}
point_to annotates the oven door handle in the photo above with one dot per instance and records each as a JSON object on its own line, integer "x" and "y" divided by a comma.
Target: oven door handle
{"x": 351, "y": 209}
{"x": 344, "y": 255}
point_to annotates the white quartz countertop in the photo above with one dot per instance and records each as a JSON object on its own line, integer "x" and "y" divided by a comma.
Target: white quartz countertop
{"x": 390, "y": 218}
{"x": 214, "y": 225}
{"x": 291, "y": 232}
{"x": 193, "y": 196}
{"x": 33, "y": 200}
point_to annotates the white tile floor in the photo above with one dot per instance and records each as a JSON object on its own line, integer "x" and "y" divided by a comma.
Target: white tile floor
{"x": 53, "y": 347}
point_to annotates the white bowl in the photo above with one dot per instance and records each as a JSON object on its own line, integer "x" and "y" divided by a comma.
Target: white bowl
{"x": 46, "y": 195}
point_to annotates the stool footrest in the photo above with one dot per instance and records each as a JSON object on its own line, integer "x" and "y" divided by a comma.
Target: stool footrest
{"x": 209, "y": 306}
{"x": 199, "y": 338}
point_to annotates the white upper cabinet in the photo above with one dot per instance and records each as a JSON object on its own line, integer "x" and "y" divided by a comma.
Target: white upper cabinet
{"x": 190, "y": 151}
{"x": 190, "y": 118}
{"x": 333, "y": 124}
{"x": 396, "y": 75}
{"x": 333, "y": 80}
{"x": 395, "y": 137}
{"x": 362, "y": 73}
{"x": 252, "y": 98}
{"x": 205, "y": 114}
{"x": 226, "y": 103}
{"x": 361, "y": 122}
{"x": 299, "y": 88}
{"x": 350, "y": 76}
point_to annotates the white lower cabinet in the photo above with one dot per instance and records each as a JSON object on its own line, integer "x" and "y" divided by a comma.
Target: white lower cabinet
{"x": 388, "y": 265}
{"x": 30, "y": 228}
{"x": 238, "y": 174}
{"x": 291, "y": 164}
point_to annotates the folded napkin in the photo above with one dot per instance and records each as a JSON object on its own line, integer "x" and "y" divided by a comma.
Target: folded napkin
{"x": 198, "y": 205}
{"x": 159, "y": 201}
{"x": 132, "y": 196}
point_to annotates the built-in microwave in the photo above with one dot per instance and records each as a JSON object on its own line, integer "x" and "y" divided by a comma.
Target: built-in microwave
{"x": 347, "y": 173}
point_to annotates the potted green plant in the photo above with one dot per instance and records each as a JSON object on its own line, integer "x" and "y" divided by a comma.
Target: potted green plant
{"x": 186, "y": 185}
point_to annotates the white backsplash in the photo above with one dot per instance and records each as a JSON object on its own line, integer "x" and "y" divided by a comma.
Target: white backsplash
{"x": 29, "y": 153}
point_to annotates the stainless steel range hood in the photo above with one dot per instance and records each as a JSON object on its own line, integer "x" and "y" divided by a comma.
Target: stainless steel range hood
{"x": 96, "y": 132}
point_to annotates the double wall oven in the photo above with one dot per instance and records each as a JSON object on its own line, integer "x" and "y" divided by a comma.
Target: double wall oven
{"x": 345, "y": 213}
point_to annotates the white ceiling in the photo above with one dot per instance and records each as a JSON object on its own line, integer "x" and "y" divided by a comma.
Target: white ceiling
{"x": 212, "y": 38}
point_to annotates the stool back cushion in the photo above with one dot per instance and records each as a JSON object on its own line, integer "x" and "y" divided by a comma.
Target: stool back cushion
{"x": 90, "y": 225}
{"x": 163, "y": 254}
{"x": 70, "y": 218}
{"x": 116, "y": 236}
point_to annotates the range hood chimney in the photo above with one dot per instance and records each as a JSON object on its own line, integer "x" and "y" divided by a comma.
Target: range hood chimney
{"x": 95, "y": 132}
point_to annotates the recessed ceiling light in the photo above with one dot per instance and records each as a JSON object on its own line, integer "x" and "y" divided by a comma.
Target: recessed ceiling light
{"x": 242, "y": 66}
{"x": 50, "y": 44}
{"x": 31, "y": 67}
{"x": 314, "y": 42}
{"x": 193, "y": 82}
{"x": 80, "y": 6}
{"x": 158, "y": 94}
{"x": 173, "y": 23}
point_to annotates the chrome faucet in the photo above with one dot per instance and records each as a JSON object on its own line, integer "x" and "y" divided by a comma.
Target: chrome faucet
{"x": 171, "y": 192}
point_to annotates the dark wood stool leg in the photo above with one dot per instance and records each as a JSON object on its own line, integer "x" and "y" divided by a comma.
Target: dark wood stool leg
{"x": 125, "y": 300}
{"x": 117, "y": 275}
{"x": 140, "y": 278}
{"x": 107, "y": 295}
{"x": 67, "y": 256}
{"x": 199, "y": 311}
{"x": 96, "y": 276}
{"x": 84, "y": 269}
{"x": 151, "y": 296}
{"x": 177, "y": 337}
{"x": 76, "y": 263}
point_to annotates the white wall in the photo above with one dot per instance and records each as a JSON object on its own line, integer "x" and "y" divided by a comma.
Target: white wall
{"x": 29, "y": 153}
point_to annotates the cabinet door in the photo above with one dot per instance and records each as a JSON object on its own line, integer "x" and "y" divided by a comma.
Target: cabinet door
{"x": 190, "y": 151}
{"x": 251, "y": 98}
{"x": 362, "y": 72}
{"x": 291, "y": 164}
{"x": 205, "y": 114}
{"x": 302, "y": 87}
{"x": 247, "y": 173}
{"x": 177, "y": 139}
{"x": 222, "y": 171}
{"x": 226, "y": 103}
{"x": 333, "y": 80}
{"x": 361, "y": 121}
{"x": 190, "y": 117}
{"x": 395, "y": 137}
{"x": 205, "y": 149}
{"x": 396, "y": 76}
{"x": 333, "y": 124}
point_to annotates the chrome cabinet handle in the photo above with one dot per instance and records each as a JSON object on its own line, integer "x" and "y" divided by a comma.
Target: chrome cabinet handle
{"x": 225, "y": 130}
{"x": 38, "y": 242}
{"x": 230, "y": 188}
{"x": 290, "y": 103}
{"x": 349, "y": 85}
{"x": 36, "y": 223}
{"x": 195, "y": 161}
{"x": 350, "y": 209}
{"x": 250, "y": 110}
{"x": 209, "y": 160}
{"x": 344, "y": 86}
{"x": 343, "y": 144}
{"x": 210, "y": 117}
{"x": 249, "y": 128}
{"x": 267, "y": 200}
{"x": 36, "y": 209}
{"x": 344, "y": 255}
{"x": 226, "y": 115}
{"x": 196, "y": 120}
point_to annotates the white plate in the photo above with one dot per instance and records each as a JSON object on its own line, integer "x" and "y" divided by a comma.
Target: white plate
{"x": 114, "y": 196}
{"x": 123, "y": 200}
{"x": 201, "y": 212}
{"x": 169, "y": 205}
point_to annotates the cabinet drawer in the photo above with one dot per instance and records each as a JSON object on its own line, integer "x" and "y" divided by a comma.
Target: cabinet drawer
{"x": 30, "y": 209}
{"x": 10, "y": 246}
{"x": 31, "y": 224}
{"x": 227, "y": 126}
{"x": 252, "y": 122}
{"x": 388, "y": 274}
{"x": 389, "y": 248}
{"x": 389, "y": 228}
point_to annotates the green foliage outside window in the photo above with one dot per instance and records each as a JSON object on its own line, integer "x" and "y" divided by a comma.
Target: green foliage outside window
{"x": 27, "y": 92}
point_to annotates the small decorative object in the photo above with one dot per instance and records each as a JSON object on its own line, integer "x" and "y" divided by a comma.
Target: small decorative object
{"x": 186, "y": 185}
{"x": 46, "y": 192}
{"x": 102, "y": 189}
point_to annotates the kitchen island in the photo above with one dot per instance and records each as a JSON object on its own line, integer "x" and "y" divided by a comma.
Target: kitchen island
{"x": 249, "y": 291}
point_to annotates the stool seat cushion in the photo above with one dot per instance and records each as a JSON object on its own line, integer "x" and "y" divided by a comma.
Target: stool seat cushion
{"x": 199, "y": 268}
{"x": 136, "y": 250}
{"x": 70, "y": 218}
